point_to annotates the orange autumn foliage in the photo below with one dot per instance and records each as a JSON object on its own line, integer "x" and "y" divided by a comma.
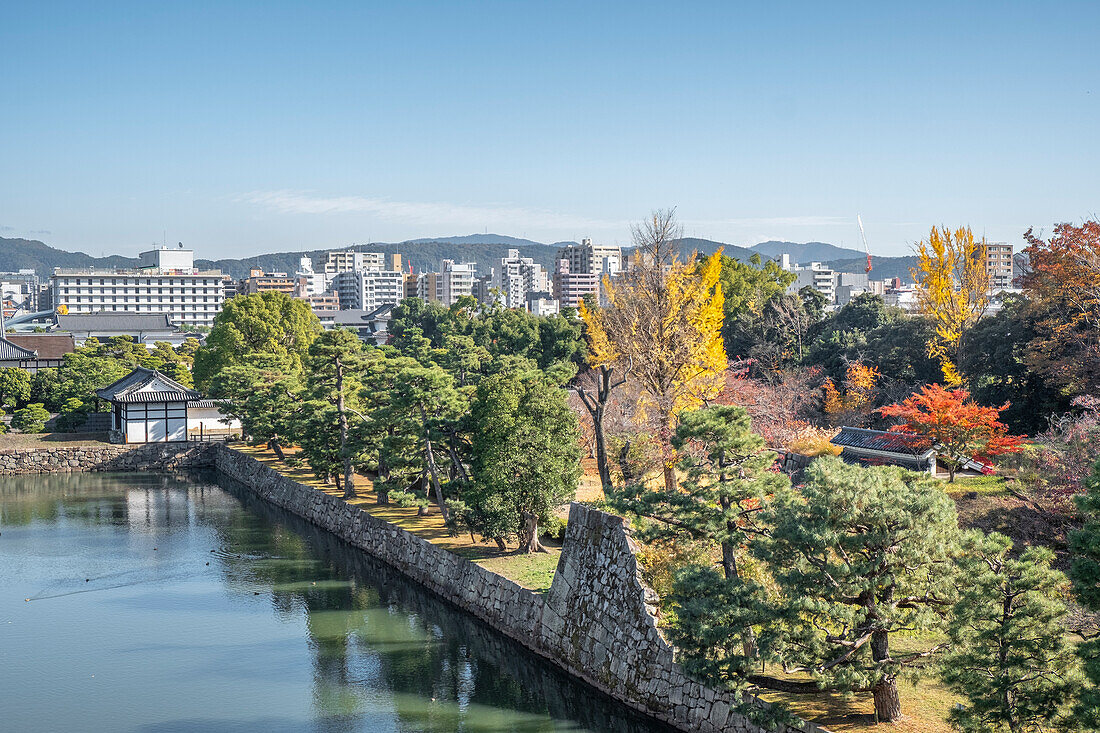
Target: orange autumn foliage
{"x": 958, "y": 428}
{"x": 860, "y": 387}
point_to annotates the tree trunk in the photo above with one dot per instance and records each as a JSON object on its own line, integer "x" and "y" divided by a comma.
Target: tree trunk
{"x": 887, "y": 701}
{"x": 624, "y": 463}
{"x": 670, "y": 476}
{"x": 383, "y": 477}
{"x": 601, "y": 453}
{"x": 432, "y": 467}
{"x": 729, "y": 567}
{"x": 277, "y": 449}
{"x": 530, "y": 541}
{"x": 349, "y": 475}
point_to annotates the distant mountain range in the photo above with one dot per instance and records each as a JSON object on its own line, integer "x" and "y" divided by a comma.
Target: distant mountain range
{"x": 427, "y": 253}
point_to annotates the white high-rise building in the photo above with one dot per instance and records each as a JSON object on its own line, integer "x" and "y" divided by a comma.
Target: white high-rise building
{"x": 517, "y": 277}
{"x": 349, "y": 260}
{"x": 818, "y": 276}
{"x": 369, "y": 289}
{"x": 166, "y": 282}
{"x": 307, "y": 281}
{"x": 590, "y": 259}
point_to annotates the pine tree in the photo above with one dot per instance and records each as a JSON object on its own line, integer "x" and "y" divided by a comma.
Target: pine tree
{"x": 1009, "y": 656}
{"x": 331, "y": 387}
{"x": 858, "y": 554}
{"x": 728, "y": 479}
{"x": 1084, "y": 545}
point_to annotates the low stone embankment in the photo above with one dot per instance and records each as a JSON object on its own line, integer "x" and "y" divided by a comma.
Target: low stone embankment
{"x": 597, "y": 622}
{"x": 148, "y": 457}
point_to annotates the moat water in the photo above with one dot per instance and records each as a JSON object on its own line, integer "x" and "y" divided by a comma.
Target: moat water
{"x": 147, "y": 602}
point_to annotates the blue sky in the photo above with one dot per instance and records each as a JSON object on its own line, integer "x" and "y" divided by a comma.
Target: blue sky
{"x": 241, "y": 128}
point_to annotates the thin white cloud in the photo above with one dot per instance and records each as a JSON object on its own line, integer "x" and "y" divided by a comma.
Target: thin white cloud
{"x": 426, "y": 213}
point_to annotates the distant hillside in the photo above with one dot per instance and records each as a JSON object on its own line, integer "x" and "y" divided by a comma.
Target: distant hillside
{"x": 25, "y": 254}
{"x": 427, "y": 253}
{"x": 708, "y": 246}
{"x": 806, "y": 252}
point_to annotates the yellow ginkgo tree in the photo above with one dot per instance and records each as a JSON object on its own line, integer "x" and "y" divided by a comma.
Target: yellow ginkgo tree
{"x": 662, "y": 321}
{"x": 953, "y": 290}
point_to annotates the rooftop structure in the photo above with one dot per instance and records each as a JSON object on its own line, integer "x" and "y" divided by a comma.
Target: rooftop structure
{"x": 145, "y": 328}
{"x": 882, "y": 447}
{"x": 49, "y": 349}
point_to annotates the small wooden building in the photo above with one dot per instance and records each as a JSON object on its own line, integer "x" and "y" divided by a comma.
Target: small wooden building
{"x": 148, "y": 407}
{"x": 886, "y": 448}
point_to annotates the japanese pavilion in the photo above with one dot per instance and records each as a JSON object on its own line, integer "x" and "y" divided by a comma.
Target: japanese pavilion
{"x": 149, "y": 407}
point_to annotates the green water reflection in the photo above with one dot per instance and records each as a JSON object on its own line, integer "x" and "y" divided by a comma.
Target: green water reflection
{"x": 144, "y": 602}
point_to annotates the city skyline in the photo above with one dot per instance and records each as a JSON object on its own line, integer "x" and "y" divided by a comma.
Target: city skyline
{"x": 272, "y": 127}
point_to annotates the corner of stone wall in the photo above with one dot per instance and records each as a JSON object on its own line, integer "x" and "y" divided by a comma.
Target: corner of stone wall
{"x": 602, "y": 618}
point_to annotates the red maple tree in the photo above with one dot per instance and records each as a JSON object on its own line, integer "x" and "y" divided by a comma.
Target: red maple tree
{"x": 960, "y": 430}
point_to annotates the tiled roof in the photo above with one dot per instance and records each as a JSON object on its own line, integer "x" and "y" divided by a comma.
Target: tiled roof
{"x": 13, "y": 352}
{"x": 118, "y": 322}
{"x": 147, "y": 385}
{"x": 904, "y": 444}
{"x": 48, "y": 345}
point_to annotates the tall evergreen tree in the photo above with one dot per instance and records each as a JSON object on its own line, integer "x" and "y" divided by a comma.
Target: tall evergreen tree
{"x": 332, "y": 388}
{"x": 526, "y": 455}
{"x": 859, "y": 554}
{"x": 1084, "y": 571}
{"x": 1009, "y": 657}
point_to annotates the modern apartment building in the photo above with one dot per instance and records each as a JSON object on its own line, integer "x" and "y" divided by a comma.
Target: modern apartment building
{"x": 590, "y": 258}
{"x": 457, "y": 281}
{"x": 571, "y": 286}
{"x": 369, "y": 289}
{"x": 259, "y": 281}
{"x": 998, "y": 263}
{"x": 166, "y": 282}
{"x": 349, "y": 260}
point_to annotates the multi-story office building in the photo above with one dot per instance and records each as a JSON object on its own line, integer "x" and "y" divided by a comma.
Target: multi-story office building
{"x": 369, "y": 289}
{"x": 998, "y": 263}
{"x": 570, "y": 287}
{"x": 593, "y": 259}
{"x": 165, "y": 282}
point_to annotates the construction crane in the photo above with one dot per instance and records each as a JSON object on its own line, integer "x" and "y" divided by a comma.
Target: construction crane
{"x": 865, "y": 247}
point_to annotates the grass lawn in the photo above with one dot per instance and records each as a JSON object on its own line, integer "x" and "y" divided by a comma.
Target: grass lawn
{"x": 25, "y": 441}
{"x": 534, "y": 572}
{"x": 993, "y": 485}
{"x": 924, "y": 709}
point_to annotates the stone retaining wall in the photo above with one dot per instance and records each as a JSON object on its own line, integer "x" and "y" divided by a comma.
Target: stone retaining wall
{"x": 597, "y": 622}
{"x": 145, "y": 457}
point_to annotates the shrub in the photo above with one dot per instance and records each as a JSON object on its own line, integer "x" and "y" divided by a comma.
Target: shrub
{"x": 407, "y": 499}
{"x": 31, "y": 419}
{"x": 814, "y": 442}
